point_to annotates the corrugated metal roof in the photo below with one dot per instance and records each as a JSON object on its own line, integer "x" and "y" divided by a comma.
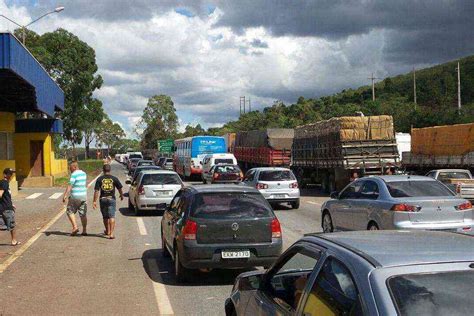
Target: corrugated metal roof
{"x": 15, "y": 58}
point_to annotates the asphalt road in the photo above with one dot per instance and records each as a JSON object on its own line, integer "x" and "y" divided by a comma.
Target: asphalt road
{"x": 59, "y": 274}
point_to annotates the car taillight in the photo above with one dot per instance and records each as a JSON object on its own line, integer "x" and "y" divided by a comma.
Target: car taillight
{"x": 276, "y": 228}
{"x": 190, "y": 230}
{"x": 216, "y": 175}
{"x": 261, "y": 186}
{"x": 294, "y": 185}
{"x": 405, "y": 208}
{"x": 141, "y": 190}
{"x": 464, "y": 206}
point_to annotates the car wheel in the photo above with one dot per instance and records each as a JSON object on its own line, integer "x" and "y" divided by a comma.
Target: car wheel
{"x": 137, "y": 211}
{"x": 295, "y": 205}
{"x": 204, "y": 181}
{"x": 328, "y": 227}
{"x": 180, "y": 272}
{"x": 164, "y": 250}
{"x": 373, "y": 226}
{"x": 130, "y": 206}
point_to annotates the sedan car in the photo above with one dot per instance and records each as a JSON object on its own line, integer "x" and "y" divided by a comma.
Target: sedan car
{"x": 153, "y": 190}
{"x": 224, "y": 226}
{"x": 397, "y": 202}
{"x": 363, "y": 273}
{"x": 277, "y": 185}
{"x": 223, "y": 173}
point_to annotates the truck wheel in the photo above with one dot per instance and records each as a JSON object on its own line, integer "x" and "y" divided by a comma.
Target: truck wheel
{"x": 295, "y": 205}
{"x": 181, "y": 273}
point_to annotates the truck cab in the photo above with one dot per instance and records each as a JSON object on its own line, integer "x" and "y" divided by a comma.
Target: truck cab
{"x": 459, "y": 181}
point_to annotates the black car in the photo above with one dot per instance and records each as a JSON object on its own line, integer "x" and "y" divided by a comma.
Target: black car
{"x": 225, "y": 173}
{"x": 225, "y": 226}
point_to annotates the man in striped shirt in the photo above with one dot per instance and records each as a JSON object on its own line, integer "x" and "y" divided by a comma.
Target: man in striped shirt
{"x": 77, "y": 193}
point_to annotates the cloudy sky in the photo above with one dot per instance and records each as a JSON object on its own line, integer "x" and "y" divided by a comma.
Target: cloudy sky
{"x": 206, "y": 54}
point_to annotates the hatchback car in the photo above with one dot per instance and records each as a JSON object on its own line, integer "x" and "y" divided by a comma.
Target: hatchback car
{"x": 132, "y": 164}
{"x": 224, "y": 226}
{"x": 277, "y": 185}
{"x": 223, "y": 173}
{"x": 140, "y": 169}
{"x": 397, "y": 202}
{"x": 363, "y": 273}
{"x": 153, "y": 190}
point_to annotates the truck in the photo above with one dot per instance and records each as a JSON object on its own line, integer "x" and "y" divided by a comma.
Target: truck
{"x": 460, "y": 181}
{"x": 333, "y": 152}
{"x": 270, "y": 147}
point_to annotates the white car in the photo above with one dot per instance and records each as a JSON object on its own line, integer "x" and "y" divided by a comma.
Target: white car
{"x": 153, "y": 190}
{"x": 210, "y": 160}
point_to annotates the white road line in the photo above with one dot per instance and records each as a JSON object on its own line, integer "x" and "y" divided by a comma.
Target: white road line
{"x": 314, "y": 203}
{"x": 55, "y": 196}
{"x": 141, "y": 226}
{"x": 34, "y": 196}
{"x": 93, "y": 181}
{"x": 30, "y": 242}
{"x": 162, "y": 299}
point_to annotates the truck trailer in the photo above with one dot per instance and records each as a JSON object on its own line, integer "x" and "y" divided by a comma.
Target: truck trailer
{"x": 333, "y": 151}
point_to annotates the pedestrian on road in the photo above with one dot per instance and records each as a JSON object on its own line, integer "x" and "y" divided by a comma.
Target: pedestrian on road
{"x": 105, "y": 188}
{"x": 7, "y": 209}
{"x": 77, "y": 193}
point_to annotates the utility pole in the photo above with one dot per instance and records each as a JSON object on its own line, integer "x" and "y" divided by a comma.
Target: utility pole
{"x": 250, "y": 106}
{"x": 373, "y": 86}
{"x": 414, "y": 86}
{"x": 459, "y": 88}
{"x": 242, "y": 104}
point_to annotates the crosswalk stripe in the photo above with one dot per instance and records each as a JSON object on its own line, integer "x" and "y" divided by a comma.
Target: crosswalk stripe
{"x": 34, "y": 196}
{"x": 55, "y": 196}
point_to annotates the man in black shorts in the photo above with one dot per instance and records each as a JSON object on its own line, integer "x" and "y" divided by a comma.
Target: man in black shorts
{"x": 7, "y": 209}
{"x": 105, "y": 188}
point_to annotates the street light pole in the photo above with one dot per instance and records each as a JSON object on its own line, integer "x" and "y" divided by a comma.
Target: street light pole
{"x": 23, "y": 27}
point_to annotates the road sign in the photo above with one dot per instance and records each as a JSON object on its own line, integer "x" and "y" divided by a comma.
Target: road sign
{"x": 165, "y": 145}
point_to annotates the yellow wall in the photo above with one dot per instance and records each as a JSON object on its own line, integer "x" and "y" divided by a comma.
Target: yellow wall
{"x": 7, "y": 124}
{"x": 52, "y": 166}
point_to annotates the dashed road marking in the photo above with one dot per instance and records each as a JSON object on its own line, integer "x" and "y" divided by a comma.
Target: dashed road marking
{"x": 162, "y": 299}
{"x": 141, "y": 226}
{"x": 34, "y": 196}
{"x": 55, "y": 196}
{"x": 314, "y": 203}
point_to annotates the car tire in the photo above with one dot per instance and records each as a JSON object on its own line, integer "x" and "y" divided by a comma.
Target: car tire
{"x": 137, "y": 210}
{"x": 130, "y": 206}
{"x": 373, "y": 226}
{"x": 327, "y": 224}
{"x": 181, "y": 273}
{"x": 164, "y": 249}
{"x": 295, "y": 205}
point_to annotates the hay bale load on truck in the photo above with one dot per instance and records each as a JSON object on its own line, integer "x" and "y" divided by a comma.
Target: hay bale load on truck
{"x": 269, "y": 147}
{"x": 330, "y": 152}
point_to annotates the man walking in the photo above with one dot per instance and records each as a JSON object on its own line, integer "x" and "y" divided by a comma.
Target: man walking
{"x": 105, "y": 188}
{"x": 7, "y": 209}
{"x": 77, "y": 194}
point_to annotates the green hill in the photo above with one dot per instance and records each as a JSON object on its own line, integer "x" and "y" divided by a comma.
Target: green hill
{"x": 436, "y": 102}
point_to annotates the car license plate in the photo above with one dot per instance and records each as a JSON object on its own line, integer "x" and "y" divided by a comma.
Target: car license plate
{"x": 235, "y": 254}
{"x": 163, "y": 193}
{"x": 279, "y": 196}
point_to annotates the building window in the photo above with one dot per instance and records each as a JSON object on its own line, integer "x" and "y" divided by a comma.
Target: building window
{"x": 6, "y": 146}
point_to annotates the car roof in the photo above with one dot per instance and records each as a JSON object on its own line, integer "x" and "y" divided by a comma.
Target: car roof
{"x": 270, "y": 168}
{"x": 154, "y": 171}
{"x": 451, "y": 170}
{"x": 210, "y": 188}
{"x": 393, "y": 178}
{"x": 390, "y": 248}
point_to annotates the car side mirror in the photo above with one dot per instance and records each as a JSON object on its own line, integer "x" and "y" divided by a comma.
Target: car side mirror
{"x": 128, "y": 182}
{"x": 252, "y": 282}
{"x": 334, "y": 195}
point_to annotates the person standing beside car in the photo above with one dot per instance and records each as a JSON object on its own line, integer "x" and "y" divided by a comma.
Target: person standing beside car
{"x": 7, "y": 209}
{"x": 105, "y": 189}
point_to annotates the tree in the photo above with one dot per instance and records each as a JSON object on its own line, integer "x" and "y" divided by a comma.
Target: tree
{"x": 109, "y": 134}
{"x": 190, "y": 131}
{"x": 158, "y": 121}
{"x": 95, "y": 114}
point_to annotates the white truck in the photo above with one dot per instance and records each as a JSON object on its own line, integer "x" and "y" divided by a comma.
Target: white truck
{"x": 459, "y": 181}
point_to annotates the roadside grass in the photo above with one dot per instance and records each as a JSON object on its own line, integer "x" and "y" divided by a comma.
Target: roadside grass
{"x": 91, "y": 167}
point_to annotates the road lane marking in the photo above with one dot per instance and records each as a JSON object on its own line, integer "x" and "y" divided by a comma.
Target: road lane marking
{"x": 34, "y": 196}
{"x": 30, "y": 242}
{"x": 141, "y": 226}
{"x": 312, "y": 202}
{"x": 55, "y": 196}
{"x": 162, "y": 299}
{"x": 93, "y": 181}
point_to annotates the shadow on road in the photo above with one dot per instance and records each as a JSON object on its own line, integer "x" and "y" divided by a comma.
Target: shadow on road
{"x": 126, "y": 212}
{"x": 281, "y": 207}
{"x": 164, "y": 273}
{"x": 60, "y": 233}
{"x": 313, "y": 191}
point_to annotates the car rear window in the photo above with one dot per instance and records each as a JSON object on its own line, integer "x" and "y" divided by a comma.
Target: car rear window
{"x": 399, "y": 189}
{"x": 276, "y": 175}
{"x": 227, "y": 169}
{"x": 230, "y": 205}
{"x": 132, "y": 156}
{"x": 442, "y": 293}
{"x": 145, "y": 163}
{"x": 169, "y": 160}
{"x": 160, "y": 178}
{"x": 445, "y": 176}
{"x": 221, "y": 160}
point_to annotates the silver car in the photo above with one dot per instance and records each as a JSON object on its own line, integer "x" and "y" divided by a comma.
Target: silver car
{"x": 277, "y": 185}
{"x": 151, "y": 190}
{"x": 397, "y": 202}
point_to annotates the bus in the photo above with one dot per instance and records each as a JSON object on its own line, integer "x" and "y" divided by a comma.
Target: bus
{"x": 191, "y": 150}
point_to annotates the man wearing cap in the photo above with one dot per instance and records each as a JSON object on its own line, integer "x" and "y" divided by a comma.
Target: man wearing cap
{"x": 77, "y": 193}
{"x": 7, "y": 209}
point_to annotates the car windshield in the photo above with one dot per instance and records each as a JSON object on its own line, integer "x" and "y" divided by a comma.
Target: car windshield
{"x": 132, "y": 156}
{"x": 222, "y": 160}
{"x": 276, "y": 175}
{"x": 146, "y": 163}
{"x": 169, "y": 160}
{"x": 400, "y": 189}
{"x": 433, "y": 293}
{"x": 227, "y": 169}
{"x": 230, "y": 205}
{"x": 160, "y": 178}
{"x": 446, "y": 176}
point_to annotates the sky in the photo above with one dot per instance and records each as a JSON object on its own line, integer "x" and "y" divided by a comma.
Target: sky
{"x": 207, "y": 54}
